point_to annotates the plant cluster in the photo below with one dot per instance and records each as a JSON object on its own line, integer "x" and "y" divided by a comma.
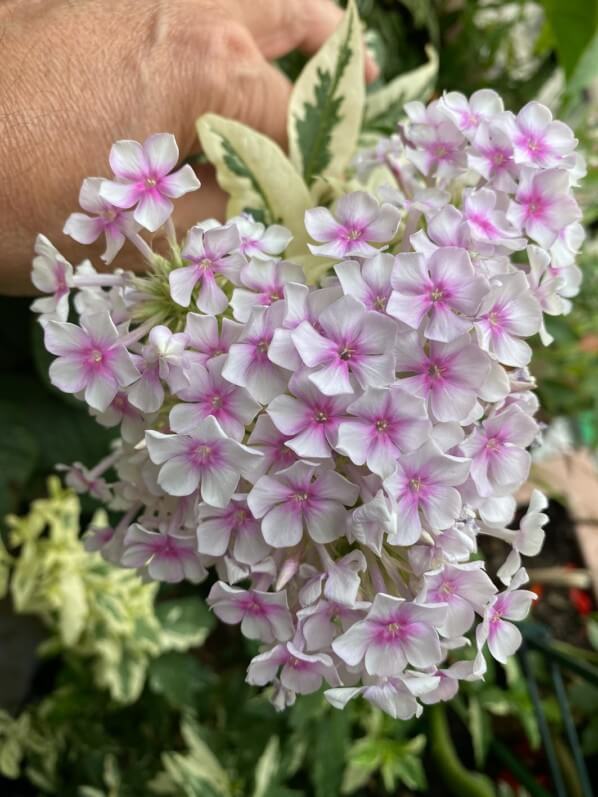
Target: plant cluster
{"x": 327, "y": 405}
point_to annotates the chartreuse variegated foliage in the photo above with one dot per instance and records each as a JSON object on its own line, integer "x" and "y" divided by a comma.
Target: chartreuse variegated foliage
{"x": 328, "y": 113}
{"x": 106, "y": 614}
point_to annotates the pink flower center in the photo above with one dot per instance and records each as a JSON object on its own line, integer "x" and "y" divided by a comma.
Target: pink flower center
{"x": 393, "y": 630}
{"x": 380, "y": 303}
{"x": 381, "y": 425}
{"x": 320, "y": 417}
{"x": 254, "y": 607}
{"x": 301, "y": 498}
{"x": 95, "y": 357}
{"x": 353, "y": 234}
{"x": 415, "y": 484}
{"x": 201, "y": 454}
{"x": 493, "y": 445}
{"x": 436, "y": 294}
{"x": 346, "y": 353}
{"x": 435, "y": 371}
{"x": 217, "y": 402}
{"x": 151, "y": 182}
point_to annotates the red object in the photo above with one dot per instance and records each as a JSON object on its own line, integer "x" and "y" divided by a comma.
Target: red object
{"x": 582, "y": 600}
{"x": 538, "y": 589}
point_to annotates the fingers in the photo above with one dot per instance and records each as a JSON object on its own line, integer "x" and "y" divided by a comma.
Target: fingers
{"x": 279, "y": 26}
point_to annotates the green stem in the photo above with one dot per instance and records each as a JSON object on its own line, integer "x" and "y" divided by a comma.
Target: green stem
{"x": 459, "y": 781}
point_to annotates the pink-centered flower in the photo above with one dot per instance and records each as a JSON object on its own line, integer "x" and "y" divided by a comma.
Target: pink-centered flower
{"x": 499, "y": 461}
{"x": 263, "y": 615}
{"x": 508, "y": 313}
{"x": 358, "y": 222}
{"x": 308, "y": 418}
{"x": 394, "y": 634}
{"x": 465, "y": 589}
{"x": 162, "y": 359}
{"x": 203, "y": 458}
{"x": 445, "y": 228}
{"x": 369, "y": 283}
{"x": 423, "y": 487}
{"x": 444, "y": 289}
{"x": 537, "y": 139}
{"x": 437, "y": 149}
{"x": 468, "y": 114}
{"x": 302, "y": 496}
{"x": 491, "y": 156}
{"x": 248, "y": 364}
{"x": 259, "y": 241}
{"x": 448, "y": 375}
{"x": 51, "y": 274}
{"x": 144, "y": 179}
{"x": 168, "y": 557}
{"x": 264, "y": 283}
{"x": 208, "y": 393}
{"x": 543, "y": 205}
{"x": 502, "y": 636}
{"x": 300, "y": 304}
{"x": 233, "y": 528}
{"x": 527, "y": 540}
{"x": 385, "y": 423}
{"x": 90, "y": 358}
{"x": 353, "y": 342}
{"x": 397, "y": 697}
{"x": 120, "y": 411}
{"x": 488, "y": 225}
{"x": 211, "y": 254}
{"x": 107, "y": 219}
{"x": 322, "y": 621}
{"x": 206, "y": 339}
{"x": 299, "y": 671}
{"x": 272, "y": 444}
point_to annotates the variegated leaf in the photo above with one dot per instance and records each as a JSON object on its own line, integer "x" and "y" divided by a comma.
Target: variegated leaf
{"x": 327, "y": 104}
{"x": 256, "y": 174}
{"x": 384, "y": 107}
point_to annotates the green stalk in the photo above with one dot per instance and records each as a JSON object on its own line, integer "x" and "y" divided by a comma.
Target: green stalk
{"x": 459, "y": 781}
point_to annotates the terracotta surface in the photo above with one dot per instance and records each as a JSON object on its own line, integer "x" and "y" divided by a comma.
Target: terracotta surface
{"x": 573, "y": 479}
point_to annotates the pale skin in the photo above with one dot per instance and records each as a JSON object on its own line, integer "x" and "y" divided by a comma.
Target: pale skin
{"x": 77, "y": 75}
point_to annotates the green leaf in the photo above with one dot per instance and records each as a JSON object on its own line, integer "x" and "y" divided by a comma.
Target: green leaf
{"x": 586, "y": 69}
{"x": 327, "y": 103}
{"x": 18, "y": 457}
{"x": 383, "y": 108}
{"x": 256, "y": 174}
{"x": 331, "y": 742}
{"x": 267, "y": 768}
{"x": 573, "y": 24}
{"x": 186, "y": 623}
{"x": 178, "y": 677}
{"x": 480, "y": 730}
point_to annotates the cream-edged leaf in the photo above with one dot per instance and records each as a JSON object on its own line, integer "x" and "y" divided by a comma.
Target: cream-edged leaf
{"x": 256, "y": 174}
{"x": 327, "y": 103}
{"x": 384, "y": 107}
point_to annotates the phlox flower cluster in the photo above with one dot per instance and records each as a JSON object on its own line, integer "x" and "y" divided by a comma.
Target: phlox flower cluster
{"x": 329, "y": 454}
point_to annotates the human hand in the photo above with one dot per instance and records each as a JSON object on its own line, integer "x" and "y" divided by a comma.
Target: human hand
{"x": 77, "y": 76}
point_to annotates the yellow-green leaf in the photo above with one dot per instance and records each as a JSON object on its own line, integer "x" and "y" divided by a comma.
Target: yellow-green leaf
{"x": 256, "y": 174}
{"x": 327, "y": 104}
